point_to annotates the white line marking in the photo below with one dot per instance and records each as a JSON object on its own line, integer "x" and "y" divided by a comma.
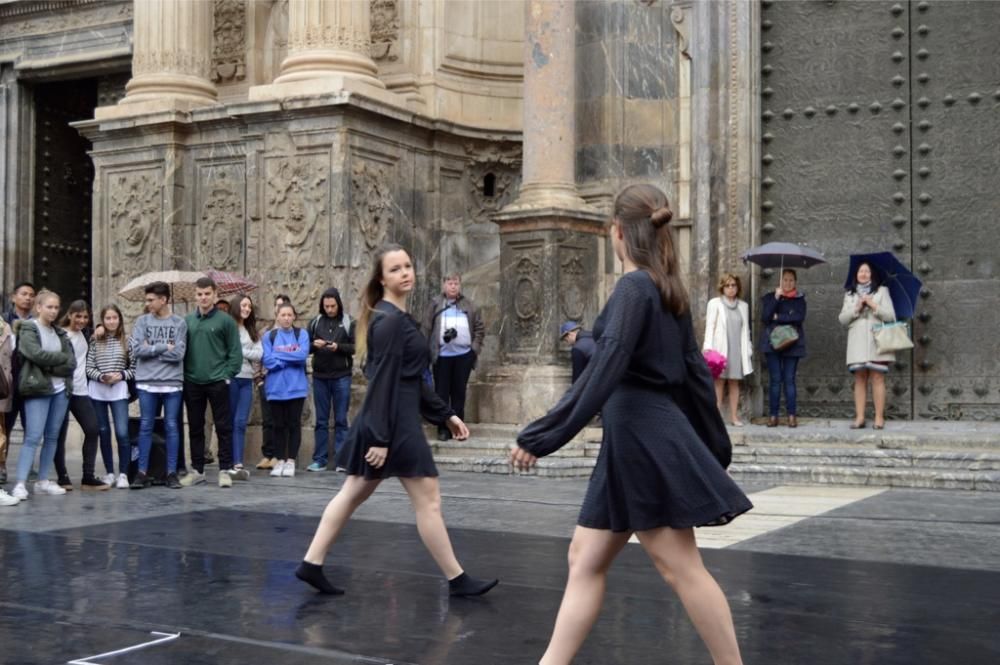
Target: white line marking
{"x": 777, "y": 508}
{"x": 164, "y": 637}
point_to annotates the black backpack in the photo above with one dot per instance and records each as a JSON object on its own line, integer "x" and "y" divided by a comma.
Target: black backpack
{"x": 273, "y": 334}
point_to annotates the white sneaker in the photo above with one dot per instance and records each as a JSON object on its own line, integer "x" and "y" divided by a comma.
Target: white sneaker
{"x": 20, "y": 492}
{"x": 108, "y": 479}
{"x": 122, "y": 483}
{"x": 48, "y": 487}
{"x": 289, "y": 470}
{"x": 7, "y": 499}
{"x": 279, "y": 469}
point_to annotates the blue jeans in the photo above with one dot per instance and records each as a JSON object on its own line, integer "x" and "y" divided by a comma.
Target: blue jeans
{"x": 781, "y": 371}
{"x": 43, "y": 419}
{"x": 119, "y": 414}
{"x": 240, "y": 401}
{"x": 149, "y": 408}
{"x": 339, "y": 392}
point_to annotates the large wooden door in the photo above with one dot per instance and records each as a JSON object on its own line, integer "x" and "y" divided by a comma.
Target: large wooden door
{"x": 881, "y": 131}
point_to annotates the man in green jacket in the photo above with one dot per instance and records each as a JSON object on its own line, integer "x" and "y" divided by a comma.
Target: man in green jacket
{"x": 213, "y": 357}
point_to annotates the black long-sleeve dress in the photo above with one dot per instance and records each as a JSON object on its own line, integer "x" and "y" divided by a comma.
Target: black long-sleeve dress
{"x": 665, "y": 448}
{"x": 397, "y": 396}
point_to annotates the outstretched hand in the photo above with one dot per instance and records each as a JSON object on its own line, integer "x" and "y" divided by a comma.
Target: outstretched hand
{"x": 521, "y": 458}
{"x": 458, "y": 429}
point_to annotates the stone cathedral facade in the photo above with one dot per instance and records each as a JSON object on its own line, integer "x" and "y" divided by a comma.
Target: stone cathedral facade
{"x": 288, "y": 139}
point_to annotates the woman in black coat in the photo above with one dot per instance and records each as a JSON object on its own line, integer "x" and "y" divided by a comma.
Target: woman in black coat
{"x": 386, "y": 438}
{"x": 662, "y": 466}
{"x": 786, "y": 306}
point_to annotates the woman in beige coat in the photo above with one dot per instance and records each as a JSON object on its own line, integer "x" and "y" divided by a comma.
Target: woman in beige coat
{"x": 727, "y": 331}
{"x": 865, "y": 305}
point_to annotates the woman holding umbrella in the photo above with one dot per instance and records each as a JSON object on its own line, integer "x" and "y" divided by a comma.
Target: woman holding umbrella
{"x": 785, "y": 307}
{"x": 866, "y": 303}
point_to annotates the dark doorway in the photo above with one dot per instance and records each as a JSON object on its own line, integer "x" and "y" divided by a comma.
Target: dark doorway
{"x": 64, "y": 177}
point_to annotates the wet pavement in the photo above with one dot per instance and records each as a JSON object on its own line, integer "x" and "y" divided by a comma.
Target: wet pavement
{"x": 895, "y": 577}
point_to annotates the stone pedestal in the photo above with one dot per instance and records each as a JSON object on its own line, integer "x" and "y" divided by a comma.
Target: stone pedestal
{"x": 171, "y": 60}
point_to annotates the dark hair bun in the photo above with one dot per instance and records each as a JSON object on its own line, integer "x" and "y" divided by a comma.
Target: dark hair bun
{"x": 661, "y": 216}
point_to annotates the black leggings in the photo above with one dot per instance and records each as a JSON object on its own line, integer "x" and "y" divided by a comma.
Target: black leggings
{"x": 286, "y": 415}
{"x": 83, "y": 410}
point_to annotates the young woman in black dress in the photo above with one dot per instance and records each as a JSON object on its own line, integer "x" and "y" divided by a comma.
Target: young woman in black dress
{"x": 386, "y": 438}
{"x": 662, "y": 465}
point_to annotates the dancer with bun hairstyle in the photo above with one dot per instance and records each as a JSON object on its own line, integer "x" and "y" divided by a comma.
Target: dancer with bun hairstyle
{"x": 386, "y": 438}
{"x": 662, "y": 466}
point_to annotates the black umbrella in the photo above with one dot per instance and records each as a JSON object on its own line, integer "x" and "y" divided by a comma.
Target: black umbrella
{"x": 904, "y": 286}
{"x": 783, "y": 255}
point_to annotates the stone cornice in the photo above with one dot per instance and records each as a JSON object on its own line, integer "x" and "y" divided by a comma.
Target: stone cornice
{"x": 38, "y": 6}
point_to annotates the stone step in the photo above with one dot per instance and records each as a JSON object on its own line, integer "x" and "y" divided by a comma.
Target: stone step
{"x": 549, "y": 467}
{"x": 818, "y": 456}
{"x": 481, "y": 447}
{"x": 509, "y": 432}
{"x": 881, "y": 477}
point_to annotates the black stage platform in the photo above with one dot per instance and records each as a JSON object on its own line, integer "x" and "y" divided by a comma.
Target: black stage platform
{"x": 222, "y": 579}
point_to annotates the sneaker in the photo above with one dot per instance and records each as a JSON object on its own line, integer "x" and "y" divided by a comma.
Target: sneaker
{"x": 266, "y": 463}
{"x": 122, "y": 483}
{"x": 109, "y": 479}
{"x": 193, "y": 477}
{"x": 173, "y": 482}
{"x": 65, "y": 483}
{"x": 141, "y": 481}
{"x": 288, "y": 471}
{"x": 8, "y": 500}
{"x": 225, "y": 478}
{"x": 278, "y": 469}
{"x": 94, "y": 485}
{"x": 20, "y": 492}
{"x": 316, "y": 466}
{"x": 48, "y": 487}
{"x": 341, "y": 469}
{"x": 240, "y": 474}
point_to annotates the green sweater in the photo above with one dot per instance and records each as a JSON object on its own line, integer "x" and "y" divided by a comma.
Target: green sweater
{"x": 213, "y": 350}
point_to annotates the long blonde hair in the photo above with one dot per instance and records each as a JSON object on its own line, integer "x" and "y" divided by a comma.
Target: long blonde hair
{"x": 372, "y": 292}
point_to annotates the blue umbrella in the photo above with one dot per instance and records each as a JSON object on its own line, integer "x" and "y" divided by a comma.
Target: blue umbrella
{"x": 903, "y": 285}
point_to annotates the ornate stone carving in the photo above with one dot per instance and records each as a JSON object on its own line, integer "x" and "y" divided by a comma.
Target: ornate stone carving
{"x": 572, "y": 283}
{"x": 318, "y": 37}
{"x": 678, "y": 17}
{"x": 297, "y": 226}
{"x": 136, "y": 209}
{"x": 527, "y": 299}
{"x": 229, "y": 46}
{"x": 77, "y": 17}
{"x": 503, "y": 163}
{"x": 385, "y": 30}
{"x": 176, "y": 62}
{"x": 372, "y": 205}
{"x": 221, "y": 224}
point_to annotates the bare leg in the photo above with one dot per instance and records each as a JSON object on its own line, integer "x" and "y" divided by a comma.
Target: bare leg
{"x": 590, "y": 556}
{"x": 425, "y": 495}
{"x": 675, "y": 554}
{"x": 860, "y": 395}
{"x": 734, "y": 401}
{"x": 354, "y": 492}
{"x": 719, "y": 387}
{"x": 878, "y": 396}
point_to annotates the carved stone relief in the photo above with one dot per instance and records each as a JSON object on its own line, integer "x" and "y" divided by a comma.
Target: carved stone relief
{"x": 372, "y": 204}
{"x": 220, "y": 226}
{"x": 494, "y": 178}
{"x": 385, "y": 30}
{"x": 229, "y": 44}
{"x": 297, "y": 225}
{"x": 528, "y": 307}
{"x": 135, "y": 206}
{"x": 73, "y": 18}
{"x": 177, "y": 62}
{"x": 572, "y": 284}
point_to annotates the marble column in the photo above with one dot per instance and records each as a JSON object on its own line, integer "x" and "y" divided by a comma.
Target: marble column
{"x": 552, "y": 244}
{"x": 329, "y": 38}
{"x": 171, "y": 57}
{"x": 549, "y": 179}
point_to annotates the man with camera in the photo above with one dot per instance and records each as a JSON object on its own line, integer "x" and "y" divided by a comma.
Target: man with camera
{"x": 455, "y": 330}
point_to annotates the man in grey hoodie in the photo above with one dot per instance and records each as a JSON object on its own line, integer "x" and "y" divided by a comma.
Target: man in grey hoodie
{"x": 158, "y": 341}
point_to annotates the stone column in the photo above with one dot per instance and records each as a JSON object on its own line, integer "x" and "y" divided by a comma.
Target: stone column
{"x": 549, "y": 178}
{"x": 171, "y": 58}
{"x": 552, "y": 246}
{"x": 329, "y": 50}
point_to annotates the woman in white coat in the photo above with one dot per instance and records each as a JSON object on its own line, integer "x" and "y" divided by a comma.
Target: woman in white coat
{"x": 865, "y": 305}
{"x": 727, "y": 331}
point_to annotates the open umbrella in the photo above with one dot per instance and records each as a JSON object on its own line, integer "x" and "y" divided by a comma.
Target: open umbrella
{"x": 783, "y": 255}
{"x": 903, "y": 285}
{"x": 182, "y": 284}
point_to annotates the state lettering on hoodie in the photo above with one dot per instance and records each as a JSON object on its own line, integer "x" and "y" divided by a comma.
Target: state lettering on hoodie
{"x": 161, "y": 334}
